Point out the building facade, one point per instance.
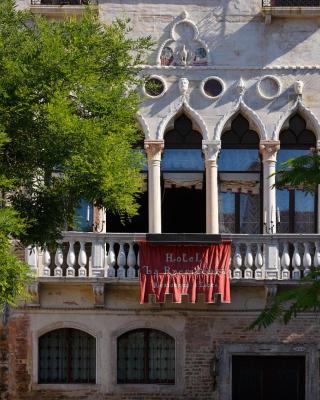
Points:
(232, 90)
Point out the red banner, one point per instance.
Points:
(184, 270)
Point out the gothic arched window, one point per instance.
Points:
(146, 356)
(182, 168)
(239, 179)
(67, 356)
(297, 209)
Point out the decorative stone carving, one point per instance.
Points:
(98, 293)
(183, 48)
(211, 149)
(33, 291)
(241, 87)
(298, 88)
(183, 86)
(154, 149)
(269, 150)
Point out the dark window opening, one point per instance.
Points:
(146, 356)
(268, 377)
(67, 356)
(240, 177)
(298, 209)
(183, 182)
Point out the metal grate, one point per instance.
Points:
(146, 356)
(67, 356)
(291, 3)
(64, 2)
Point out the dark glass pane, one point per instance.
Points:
(161, 358)
(183, 136)
(297, 135)
(249, 213)
(304, 217)
(239, 160)
(227, 212)
(240, 135)
(67, 356)
(83, 217)
(182, 160)
(283, 206)
(131, 351)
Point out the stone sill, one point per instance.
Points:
(65, 386)
(289, 12)
(59, 12)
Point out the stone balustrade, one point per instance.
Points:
(116, 255)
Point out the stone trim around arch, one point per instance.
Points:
(146, 323)
(183, 106)
(62, 325)
(248, 112)
(143, 125)
(306, 113)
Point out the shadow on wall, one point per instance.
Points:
(234, 31)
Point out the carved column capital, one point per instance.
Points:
(153, 149)
(211, 149)
(269, 150)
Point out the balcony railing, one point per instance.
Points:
(254, 257)
(63, 2)
(291, 3)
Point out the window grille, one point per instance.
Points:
(146, 356)
(67, 356)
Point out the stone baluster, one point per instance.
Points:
(121, 261)
(111, 261)
(153, 149)
(258, 261)
(248, 262)
(31, 257)
(98, 258)
(307, 259)
(316, 258)
(71, 260)
(82, 260)
(285, 262)
(237, 263)
(131, 261)
(46, 260)
(58, 261)
(296, 262)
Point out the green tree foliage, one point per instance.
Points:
(68, 102)
(303, 172)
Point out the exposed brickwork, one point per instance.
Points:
(203, 336)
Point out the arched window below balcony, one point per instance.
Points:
(67, 356)
(146, 356)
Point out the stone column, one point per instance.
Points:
(154, 148)
(211, 150)
(269, 149)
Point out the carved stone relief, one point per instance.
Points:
(184, 48)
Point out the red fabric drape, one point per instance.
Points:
(184, 269)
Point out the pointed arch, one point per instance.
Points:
(183, 106)
(305, 112)
(252, 116)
